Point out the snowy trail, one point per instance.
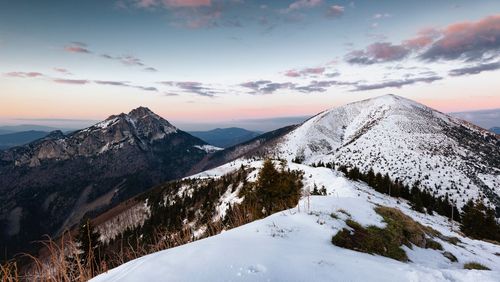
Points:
(296, 246)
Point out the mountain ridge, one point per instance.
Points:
(48, 185)
(405, 139)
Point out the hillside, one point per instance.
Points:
(225, 137)
(295, 245)
(405, 139)
(49, 185)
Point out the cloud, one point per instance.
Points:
(305, 72)
(470, 41)
(423, 39)
(378, 16)
(128, 60)
(145, 88)
(71, 81)
(193, 87)
(63, 71)
(334, 11)
(202, 19)
(77, 47)
(172, 3)
(125, 84)
(150, 69)
(302, 4)
(321, 86)
(170, 94)
(395, 83)
(475, 69)
(266, 86)
(193, 14)
(114, 83)
(379, 52)
(21, 74)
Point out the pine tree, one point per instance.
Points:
(88, 238)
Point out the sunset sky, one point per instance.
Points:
(216, 61)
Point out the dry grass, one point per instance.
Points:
(400, 230)
(475, 265)
(63, 261)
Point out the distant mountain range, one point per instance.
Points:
(20, 138)
(225, 137)
(11, 136)
(30, 127)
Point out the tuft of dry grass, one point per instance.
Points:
(475, 265)
(400, 230)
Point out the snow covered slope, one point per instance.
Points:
(405, 139)
(295, 245)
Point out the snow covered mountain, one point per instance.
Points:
(407, 140)
(50, 184)
(296, 244)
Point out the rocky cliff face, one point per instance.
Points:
(52, 183)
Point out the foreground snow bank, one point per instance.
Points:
(296, 246)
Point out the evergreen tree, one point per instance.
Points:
(88, 239)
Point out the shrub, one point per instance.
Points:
(400, 230)
(475, 265)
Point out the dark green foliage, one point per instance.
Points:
(89, 245)
(318, 192)
(275, 189)
(191, 200)
(478, 221)
(400, 230)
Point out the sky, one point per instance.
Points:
(224, 61)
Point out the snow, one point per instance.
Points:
(208, 148)
(295, 245)
(130, 218)
(394, 135)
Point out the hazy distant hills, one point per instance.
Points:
(226, 137)
(16, 135)
(20, 138)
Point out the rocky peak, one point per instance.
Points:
(141, 112)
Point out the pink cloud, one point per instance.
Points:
(173, 3)
(77, 48)
(305, 72)
(378, 52)
(467, 40)
(292, 73)
(423, 38)
(186, 3)
(24, 74)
